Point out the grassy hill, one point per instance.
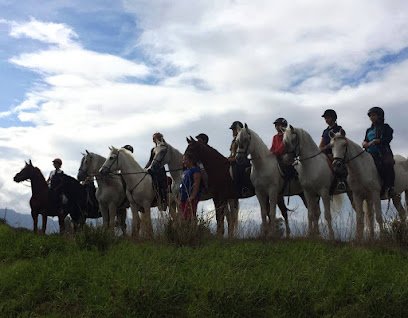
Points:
(96, 275)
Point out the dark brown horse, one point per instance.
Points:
(43, 201)
(220, 183)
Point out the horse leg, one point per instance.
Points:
(35, 222)
(61, 222)
(105, 214)
(233, 211)
(121, 219)
(358, 207)
(220, 215)
(44, 223)
(273, 199)
(327, 214)
(284, 211)
(378, 211)
(263, 203)
(135, 221)
(147, 221)
(396, 199)
(311, 207)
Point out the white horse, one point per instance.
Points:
(364, 181)
(265, 177)
(164, 154)
(111, 191)
(315, 176)
(139, 188)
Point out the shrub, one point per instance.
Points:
(98, 238)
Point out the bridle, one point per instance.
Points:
(245, 152)
(296, 151)
(343, 159)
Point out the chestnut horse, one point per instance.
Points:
(43, 200)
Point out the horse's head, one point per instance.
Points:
(83, 170)
(112, 162)
(160, 155)
(339, 146)
(291, 140)
(194, 147)
(243, 139)
(26, 173)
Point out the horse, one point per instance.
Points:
(315, 176)
(139, 187)
(164, 154)
(364, 181)
(111, 191)
(43, 201)
(266, 178)
(81, 202)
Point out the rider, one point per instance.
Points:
(57, 163)
(203, 138)
(58, 199)
(330, 116)
(377, 143)
(278, 148)
(238, 168)
(159, 175)
(190, 188)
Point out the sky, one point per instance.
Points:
(79, 75)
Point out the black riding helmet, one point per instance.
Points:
(281, 121)
(330, 113)
(376, 110)
(203, 137)
(236, 124)
(129, 147)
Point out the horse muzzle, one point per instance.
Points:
(81, 175)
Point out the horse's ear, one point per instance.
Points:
(192, 139)
(30, 163)
(246, 126)
(87, 152)
(26, 163)
(110, 148)
(188, 140)
(332, 134)
(342, 132)
(291, 128)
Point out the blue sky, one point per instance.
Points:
(86, 75)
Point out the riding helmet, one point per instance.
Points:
(236, 124)
(203, 137)
(330, 113)
(128, 147)
(376, 110)
(281, 121)
(58, 161)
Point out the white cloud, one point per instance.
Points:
(211, 63)
(52, 33)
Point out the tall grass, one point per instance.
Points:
(86, 276)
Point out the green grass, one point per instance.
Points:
(52, 276)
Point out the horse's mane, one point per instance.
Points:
(214, 153)
(305, 136)
(260, 141)
(38, 173)
(129, 155)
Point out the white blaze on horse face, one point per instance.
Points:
(338, 146)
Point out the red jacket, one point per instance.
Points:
(278, 148)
